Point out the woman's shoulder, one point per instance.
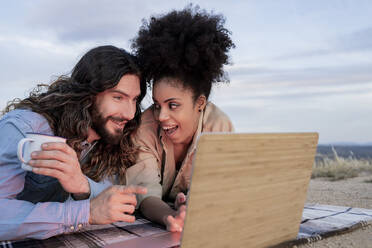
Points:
(148, 120)
(215, 120)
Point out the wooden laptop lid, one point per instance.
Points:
(248, 190)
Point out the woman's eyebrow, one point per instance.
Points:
(167, 100)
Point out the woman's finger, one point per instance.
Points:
(180, 200)
(172, 224)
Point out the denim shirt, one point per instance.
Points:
(31, 205)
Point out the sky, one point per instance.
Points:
(298, 66)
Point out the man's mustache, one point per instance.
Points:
(118, 119)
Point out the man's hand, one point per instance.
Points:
(60, 161)
(116, 203)
(175, 223)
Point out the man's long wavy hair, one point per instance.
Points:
(67, 104)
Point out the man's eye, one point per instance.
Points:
(118, 97)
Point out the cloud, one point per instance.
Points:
(234, 95)
(87, 20)
(254, 77)
(321, 115)
(352, 42)
(298, 66)
(244, 70)
(360, 40)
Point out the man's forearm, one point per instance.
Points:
(21, 219)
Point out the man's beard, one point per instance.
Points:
(98, 125)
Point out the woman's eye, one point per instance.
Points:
(173, 105)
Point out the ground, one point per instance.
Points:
(354, 192)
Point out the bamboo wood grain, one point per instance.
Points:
(248, 190)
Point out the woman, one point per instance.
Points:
(182, 54)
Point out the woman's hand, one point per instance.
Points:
(180, 200)
(60, 161)
(175, 223)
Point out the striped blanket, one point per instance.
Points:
(318, 222)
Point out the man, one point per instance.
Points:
(96, 109)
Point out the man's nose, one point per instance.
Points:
(129, 111)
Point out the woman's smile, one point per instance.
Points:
(170, 130)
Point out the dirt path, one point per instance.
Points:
(351, 192)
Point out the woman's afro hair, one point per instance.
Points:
(190, 45)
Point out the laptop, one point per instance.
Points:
(247, 190)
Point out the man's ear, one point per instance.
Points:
(201, 102)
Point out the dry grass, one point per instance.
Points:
(340, 168)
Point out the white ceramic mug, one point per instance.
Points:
(32, 142)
